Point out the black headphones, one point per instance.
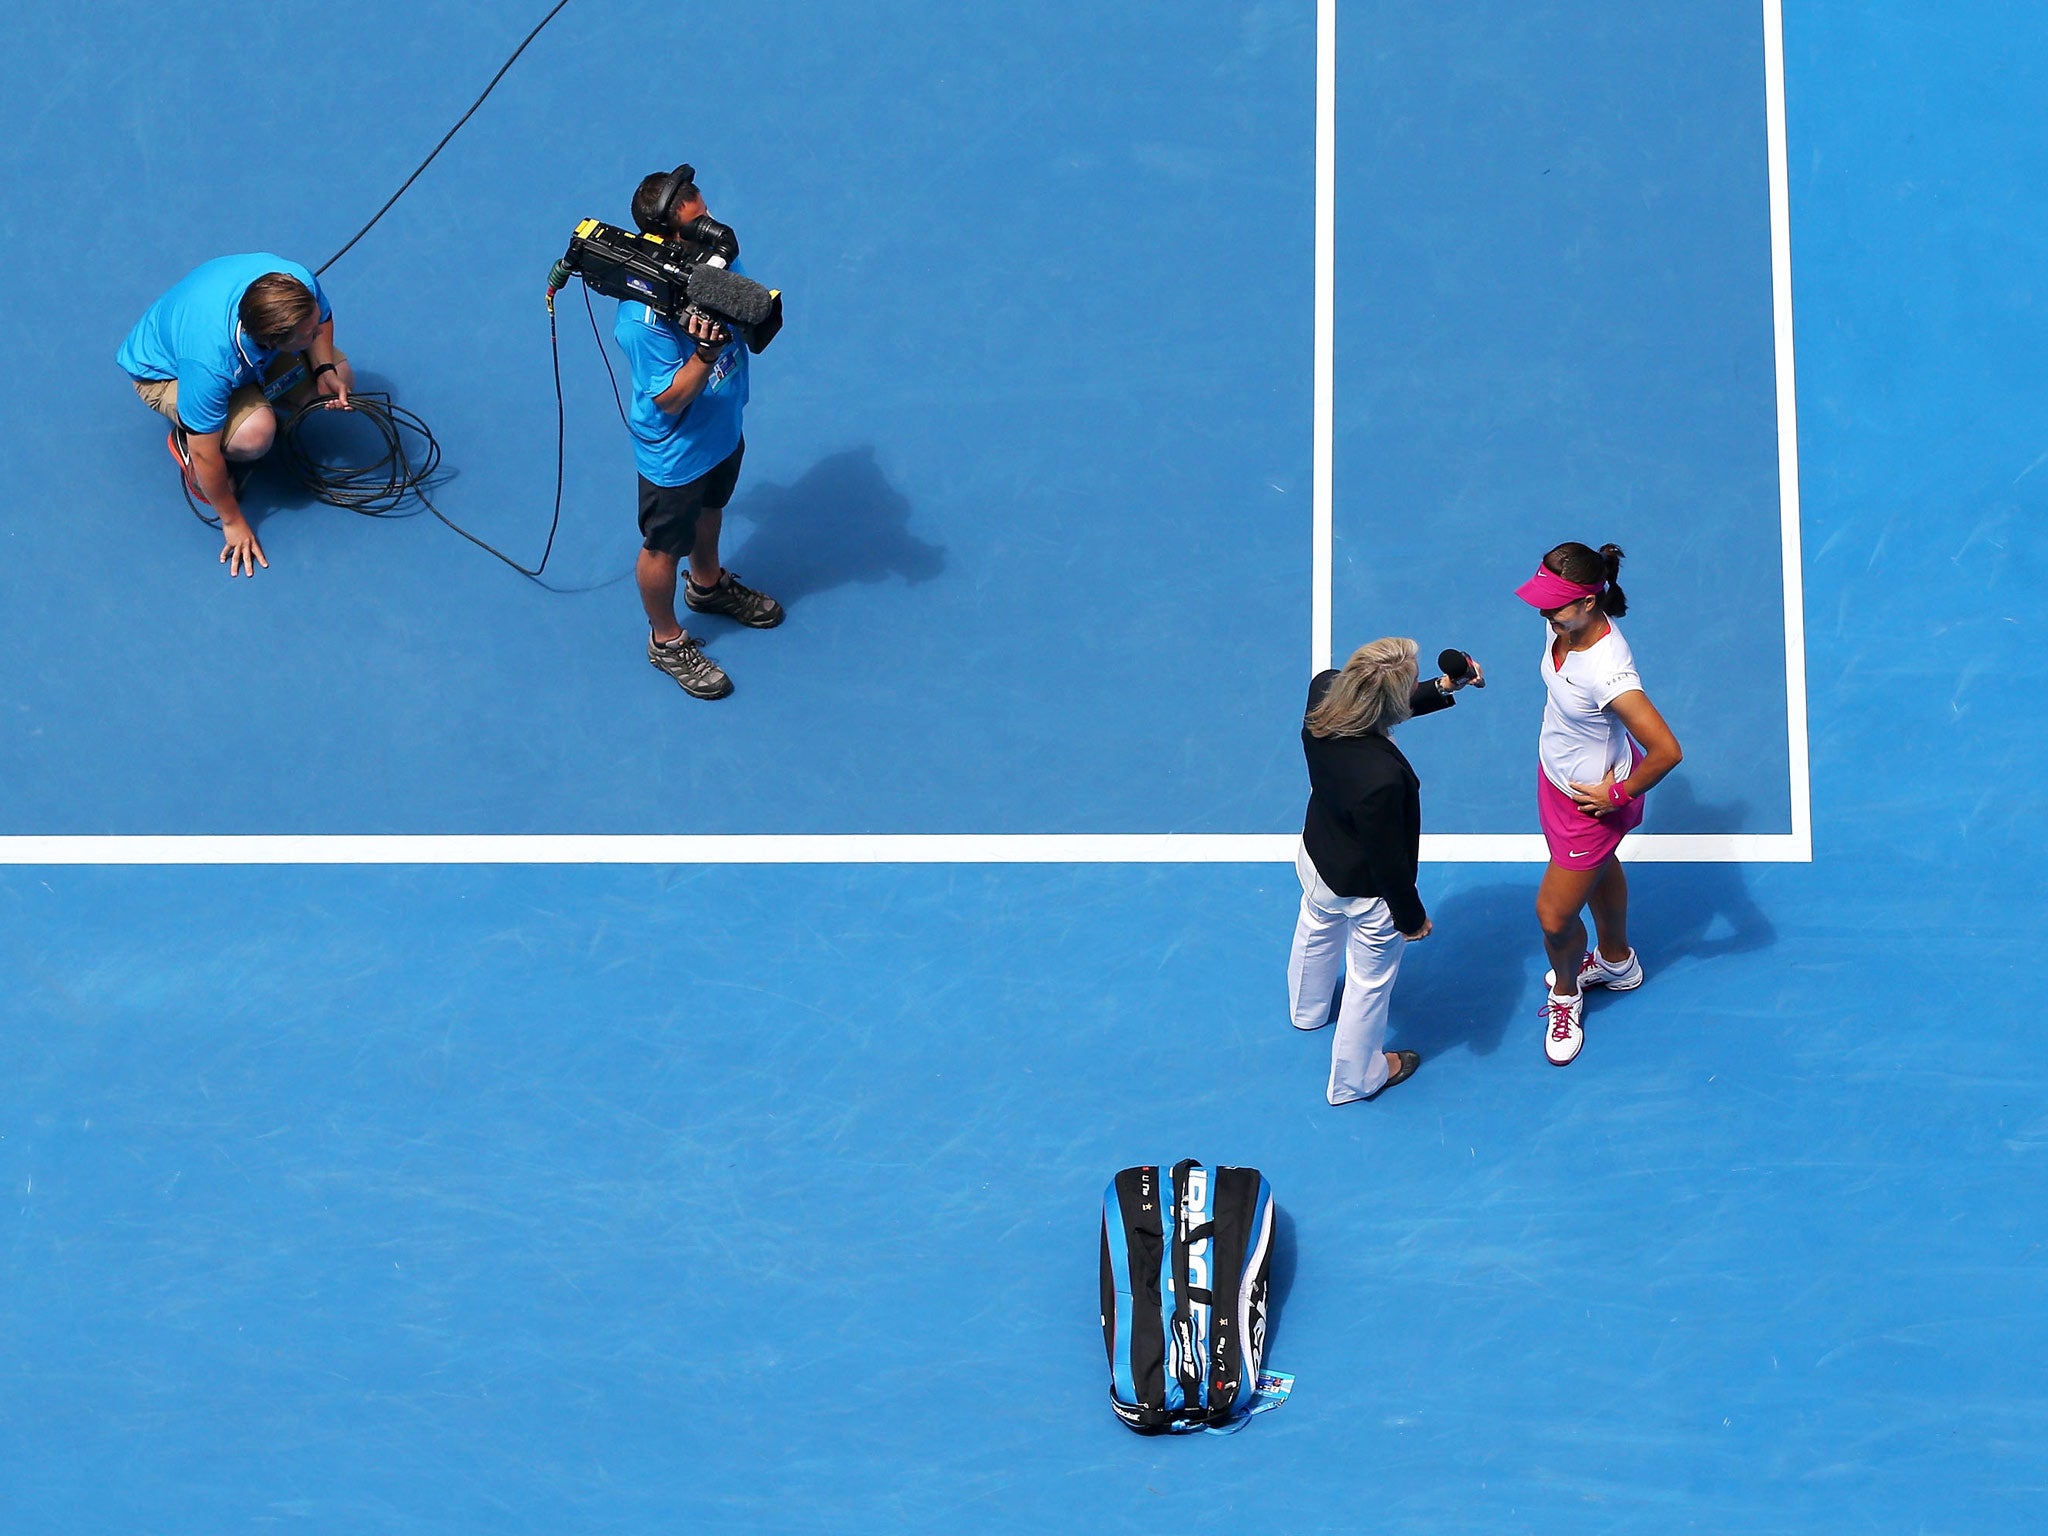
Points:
(679, 178)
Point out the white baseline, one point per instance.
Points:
(820, 848)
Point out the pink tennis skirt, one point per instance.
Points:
(1579, 841)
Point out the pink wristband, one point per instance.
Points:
(1616, 795)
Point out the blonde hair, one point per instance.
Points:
(1370, 694)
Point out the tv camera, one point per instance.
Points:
(676, 278)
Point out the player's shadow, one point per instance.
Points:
(1692, 911)
(1465, 983)
(842, 522)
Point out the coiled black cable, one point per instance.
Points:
(375, 486)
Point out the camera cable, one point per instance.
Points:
(421, 167)
(376, 484)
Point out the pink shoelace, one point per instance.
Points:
(1560, 1019)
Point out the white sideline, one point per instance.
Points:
(1321, 470)
(1128, 848)
(1800, 840)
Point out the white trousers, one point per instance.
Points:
(1352, 936)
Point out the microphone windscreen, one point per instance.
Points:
(1453, 663)
(730, 295)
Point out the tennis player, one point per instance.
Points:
(1603, 747)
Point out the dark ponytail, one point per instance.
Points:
(1612, 602)
(1590, 567)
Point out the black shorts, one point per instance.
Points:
(668, 513)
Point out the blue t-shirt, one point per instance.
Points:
(194, 334)
(674, 450)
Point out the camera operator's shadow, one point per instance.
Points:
(268, 487)
(841, 522)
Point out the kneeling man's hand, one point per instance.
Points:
(335, 387)
(240, 552)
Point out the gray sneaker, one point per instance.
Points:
(685, 661)
(756, 610)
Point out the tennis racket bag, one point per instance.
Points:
(1185, 1254)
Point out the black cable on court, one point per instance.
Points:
(415, 176)
(379, 484)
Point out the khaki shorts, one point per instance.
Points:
(161, 395)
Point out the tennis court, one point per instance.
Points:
(454, 1082)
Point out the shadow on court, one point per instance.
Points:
(341, 439)
(842, 522)
(1463, 984)
(1466, 983)
(1694, 911)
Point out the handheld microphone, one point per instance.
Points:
(1456, 664)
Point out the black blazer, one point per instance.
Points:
(1364, 823)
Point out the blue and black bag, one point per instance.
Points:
(1185, 1255)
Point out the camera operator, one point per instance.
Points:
(233, 335)
(689, 392)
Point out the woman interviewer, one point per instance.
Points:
(1359, 906)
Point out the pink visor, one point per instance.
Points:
(1547, 590)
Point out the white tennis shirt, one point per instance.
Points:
(1581, 738)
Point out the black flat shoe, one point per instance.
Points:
(1409, 1062)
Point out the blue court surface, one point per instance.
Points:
(760, 1197)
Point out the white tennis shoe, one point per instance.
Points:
(1562, 1033)
(1594, 971)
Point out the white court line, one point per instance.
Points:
(1120, 848)
(1801, 838)
(1321, 470)
(798, 848)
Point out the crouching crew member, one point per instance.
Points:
(213, 353)
(689, 392)
(1360, 845)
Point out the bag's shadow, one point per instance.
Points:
(842, 522)
(1466, 983)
